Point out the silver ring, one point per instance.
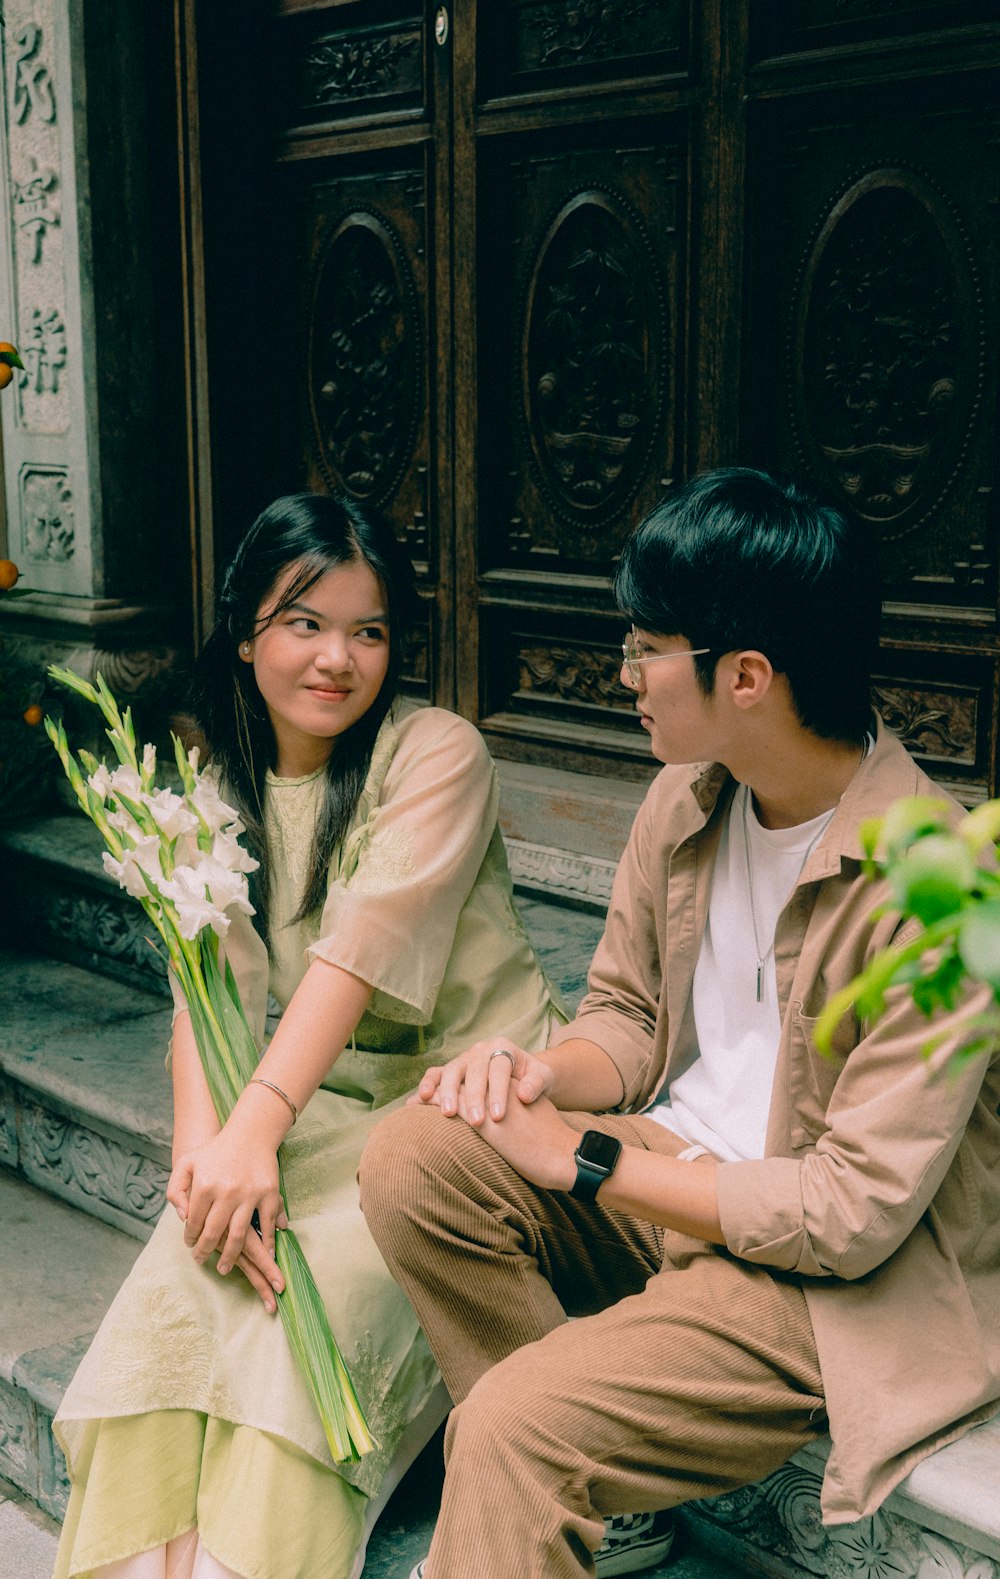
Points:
(501, 1052)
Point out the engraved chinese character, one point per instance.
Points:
(43, 350)
(32, 82)
(34, 211)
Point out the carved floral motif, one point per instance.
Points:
(583, 30)
(364, 359)
(88, 1164)
(884, 358)
(100, 927)
(573, 674)
(17, 1446)
(47, 516)
(592, 356)
(940, 724)
(8, 1130)
(352, 67)
(781, 1517)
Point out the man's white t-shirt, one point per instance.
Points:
(722, 1099)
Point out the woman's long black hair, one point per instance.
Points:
(316, 532)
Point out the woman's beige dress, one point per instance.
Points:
(188, 1410)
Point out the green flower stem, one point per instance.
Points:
(228, 1055)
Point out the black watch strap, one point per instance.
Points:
(590, 1173)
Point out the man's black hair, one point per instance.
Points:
(739, 559)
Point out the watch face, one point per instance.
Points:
(602, 1150)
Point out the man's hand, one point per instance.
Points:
(537, 1142)
(216, 1189)
(481, 1079)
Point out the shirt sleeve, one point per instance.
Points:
(895, 1121)
(619, 1012)
(405, 873)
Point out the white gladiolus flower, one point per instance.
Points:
(228, 851)
(195, 909)
(210, 805)
(192, 758)
(128, 872)
(148, 760)
(124, 781)
(227, 888)
(170, 812)
(100, 782)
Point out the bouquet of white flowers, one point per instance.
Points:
(180, 856)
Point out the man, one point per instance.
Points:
(760, 1244)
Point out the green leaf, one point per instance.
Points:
(979, 943)
(12, 359)
(933, 877)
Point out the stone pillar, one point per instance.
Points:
(93, 482)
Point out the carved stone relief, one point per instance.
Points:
(781, 1516)
(538, 866)
(33, 93)
(92, 926)
(48, 523)
(365, 357)
(86, 1164)
(8, 1129)
(33, 154)
(592, 358)
(34, 209)
(17, 1437)
(886, 349)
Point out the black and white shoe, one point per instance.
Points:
(632, 1542)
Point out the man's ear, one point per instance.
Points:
(750, 677)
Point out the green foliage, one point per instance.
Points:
(944, 876)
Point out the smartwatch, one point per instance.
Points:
(596, 1158)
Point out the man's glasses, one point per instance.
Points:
(632, 651)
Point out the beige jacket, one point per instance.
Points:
(880, 1187)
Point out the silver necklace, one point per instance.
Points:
(762, 959)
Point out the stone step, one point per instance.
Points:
(61, 1271)
(84, 1095)
(61, 902)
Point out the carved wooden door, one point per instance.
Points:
(529, 263)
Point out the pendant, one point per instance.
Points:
(760, 978)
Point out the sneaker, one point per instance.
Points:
(632, 1542)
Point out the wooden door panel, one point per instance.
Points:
(813, 25)
(874, 326)
(877, 277)
(341, 62)
(364, 351)
(529, 46)
(943, 706)
(582, 276)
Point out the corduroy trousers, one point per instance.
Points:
(687, 1373)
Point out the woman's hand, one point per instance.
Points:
(481, 1077)
(216, 1188)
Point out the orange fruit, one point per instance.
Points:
(5, 345)
(9, 574)
(6, 374)
(33, 715)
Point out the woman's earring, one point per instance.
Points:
(246, 648)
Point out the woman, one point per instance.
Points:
(386, 931)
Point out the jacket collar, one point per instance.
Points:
(887, 773)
